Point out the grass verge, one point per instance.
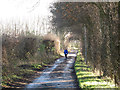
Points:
(24, 74)
(87, 79)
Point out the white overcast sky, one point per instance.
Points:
(22, 9)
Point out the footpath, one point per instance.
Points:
(60, 75)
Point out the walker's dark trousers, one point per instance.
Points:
(65, 55)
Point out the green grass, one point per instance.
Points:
(23, 72)
(87, 79)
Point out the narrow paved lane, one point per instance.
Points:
(59, 75)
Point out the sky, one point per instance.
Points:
(22, 12)
(23, 9)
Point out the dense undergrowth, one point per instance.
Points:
(23, 56)
(87, 79)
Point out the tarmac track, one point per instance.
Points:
(59, 75)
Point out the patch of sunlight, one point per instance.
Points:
(87, 79)
(77, 73)
(76, 64)
(83, 72)
(112, 85)
(78, 68)
(79, 53)
(82, 58)
(98, 84)
(15, 76)
(95, 83)
(72, 55)
(21, 83)
(62, 54)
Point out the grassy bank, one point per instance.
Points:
(88, 79)
(23, 57)
(24, 74)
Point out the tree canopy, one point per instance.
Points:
(101, 20)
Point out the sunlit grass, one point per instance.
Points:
(62, 54)
(87, 79)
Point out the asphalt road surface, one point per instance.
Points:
(59, 75)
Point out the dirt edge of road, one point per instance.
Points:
(27, 78)
(21, 83)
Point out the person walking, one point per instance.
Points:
(66, 52)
